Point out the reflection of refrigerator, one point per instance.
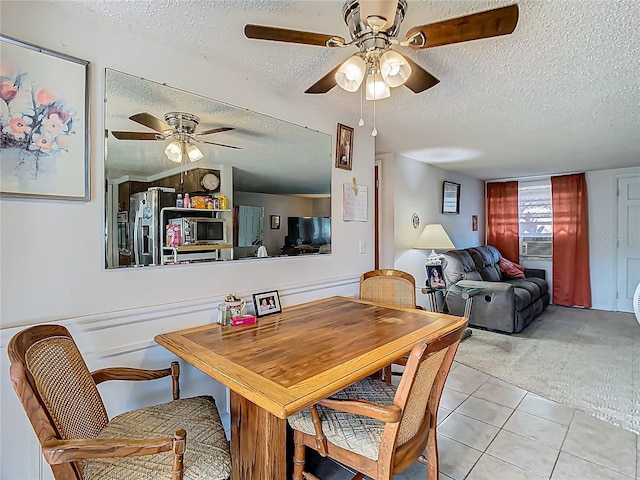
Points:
(144, 218)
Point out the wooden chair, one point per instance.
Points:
(378, 429)
(389, 287)
(61, 399)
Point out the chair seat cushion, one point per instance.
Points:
(347, 430)
(206, 457)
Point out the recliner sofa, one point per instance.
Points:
(506, 304)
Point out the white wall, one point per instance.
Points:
(409, 187)
(52, 252)
(603, 231)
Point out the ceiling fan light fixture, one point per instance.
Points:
(173, 151)
(381, 13)
(377, 89)
(394, 68)
(194, 153)
(351, 73)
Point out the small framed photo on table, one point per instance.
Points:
(266, 303)
(435, 277)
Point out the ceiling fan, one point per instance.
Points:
(374, 26)
(180, 127)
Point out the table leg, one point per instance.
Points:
(258, 442)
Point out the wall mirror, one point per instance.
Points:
(166, 149)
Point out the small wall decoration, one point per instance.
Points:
(44, 134)
(275, 222)
(266, 303)
(344, 147)
(474, 223)
(415, 220)
(450, 197)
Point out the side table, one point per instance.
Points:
(467, 293)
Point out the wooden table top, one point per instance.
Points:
(288, 361)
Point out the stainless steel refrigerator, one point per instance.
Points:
(144, 220)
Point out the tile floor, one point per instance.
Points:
(491, 430)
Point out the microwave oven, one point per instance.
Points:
(201, 230)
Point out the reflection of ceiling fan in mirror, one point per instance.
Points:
(180, 128)
(374, 26)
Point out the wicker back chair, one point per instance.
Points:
(61, 399)
(389, 287)
(378, 429)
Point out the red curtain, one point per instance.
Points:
(571, 281)
(502, 218)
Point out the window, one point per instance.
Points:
(534, 208)
(535, 220)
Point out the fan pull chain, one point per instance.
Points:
(362, 89)
(374, 132)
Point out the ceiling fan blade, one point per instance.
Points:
(261, 32)
(152, 122)
(326, 83)
(420, 79)
(491, 23)
(138, 135)
(213, 130)
(220, 144)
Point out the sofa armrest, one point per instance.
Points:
(487, 286)
(535, 272)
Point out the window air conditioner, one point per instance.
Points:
(536, 247)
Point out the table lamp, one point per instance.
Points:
(433, 238)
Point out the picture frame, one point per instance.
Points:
(435, 277)
(474, 223)
(266, 303)
(344, 147)
(275, 222)
(44, 123)
(450, 197)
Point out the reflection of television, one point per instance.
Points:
(308, 231)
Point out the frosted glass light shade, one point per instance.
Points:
(394, 68)
(376, 88)
(351, 73)
(194, 153)
(173, 151)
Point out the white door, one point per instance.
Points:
(628, 241)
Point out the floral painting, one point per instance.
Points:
(43, 123)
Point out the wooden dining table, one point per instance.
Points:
(288, 361)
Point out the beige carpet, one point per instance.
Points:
(585, 359)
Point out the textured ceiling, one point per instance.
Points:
(560, 94)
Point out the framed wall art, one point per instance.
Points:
(275, 222)
(344, 147)
(450, 197)
(44, 131)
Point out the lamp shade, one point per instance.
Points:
(394, 68)
(194, 153)
(351, 73)
(434, 237)
(174, 151)
(376, 88)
